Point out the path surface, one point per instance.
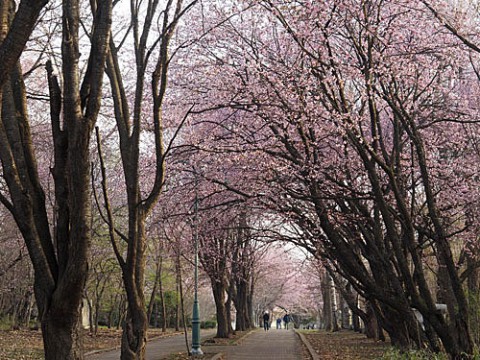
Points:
(156, 348)
(260, 344)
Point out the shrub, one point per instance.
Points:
(208, 324)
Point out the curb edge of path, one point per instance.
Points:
(217, 356)
(245, 336)
(309, 346)
(118, 347)
(220, 355)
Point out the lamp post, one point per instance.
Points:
(196, 348)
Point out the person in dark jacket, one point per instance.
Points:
(286, 320)
(279, 323)
(266, 321)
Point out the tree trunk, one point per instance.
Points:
(163, 305)
(473, 273)
(327, 304)
(250, 303)
(228, 307)
(62, 331)
(177, 307)
(19, 26)
(153, 295)
(91, 320)
(28, 314)
(60, 263)
(334, 304)
(330, 303)
(179, 302)
(346, 316)
(134, 337)
(371, 325)
(122, 312)
(241, 305)
(222, 321)
(356, 323)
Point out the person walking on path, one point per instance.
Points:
(266, 321)
(286, 320)
(279, 323)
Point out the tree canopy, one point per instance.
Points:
(347, 129)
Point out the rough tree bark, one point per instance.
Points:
(59, 260)
(129, 128)
(219, 291)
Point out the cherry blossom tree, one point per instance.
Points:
(17, 26)
(59, 253)
(363, 130)
(146, 46)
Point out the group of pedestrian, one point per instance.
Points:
(266, 321)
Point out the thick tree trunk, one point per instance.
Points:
(241, 305)
(457, 340)
(61, 272)
(330, 298)
(327, 304)
(372, 330)
(20, 26)
(134, 337)
(130, 127)
(222, 319)
(350, 304)
(62, 334)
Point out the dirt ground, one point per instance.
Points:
(345, 345)
(27, 344)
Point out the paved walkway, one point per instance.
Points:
(157, 348)
(260, 344)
